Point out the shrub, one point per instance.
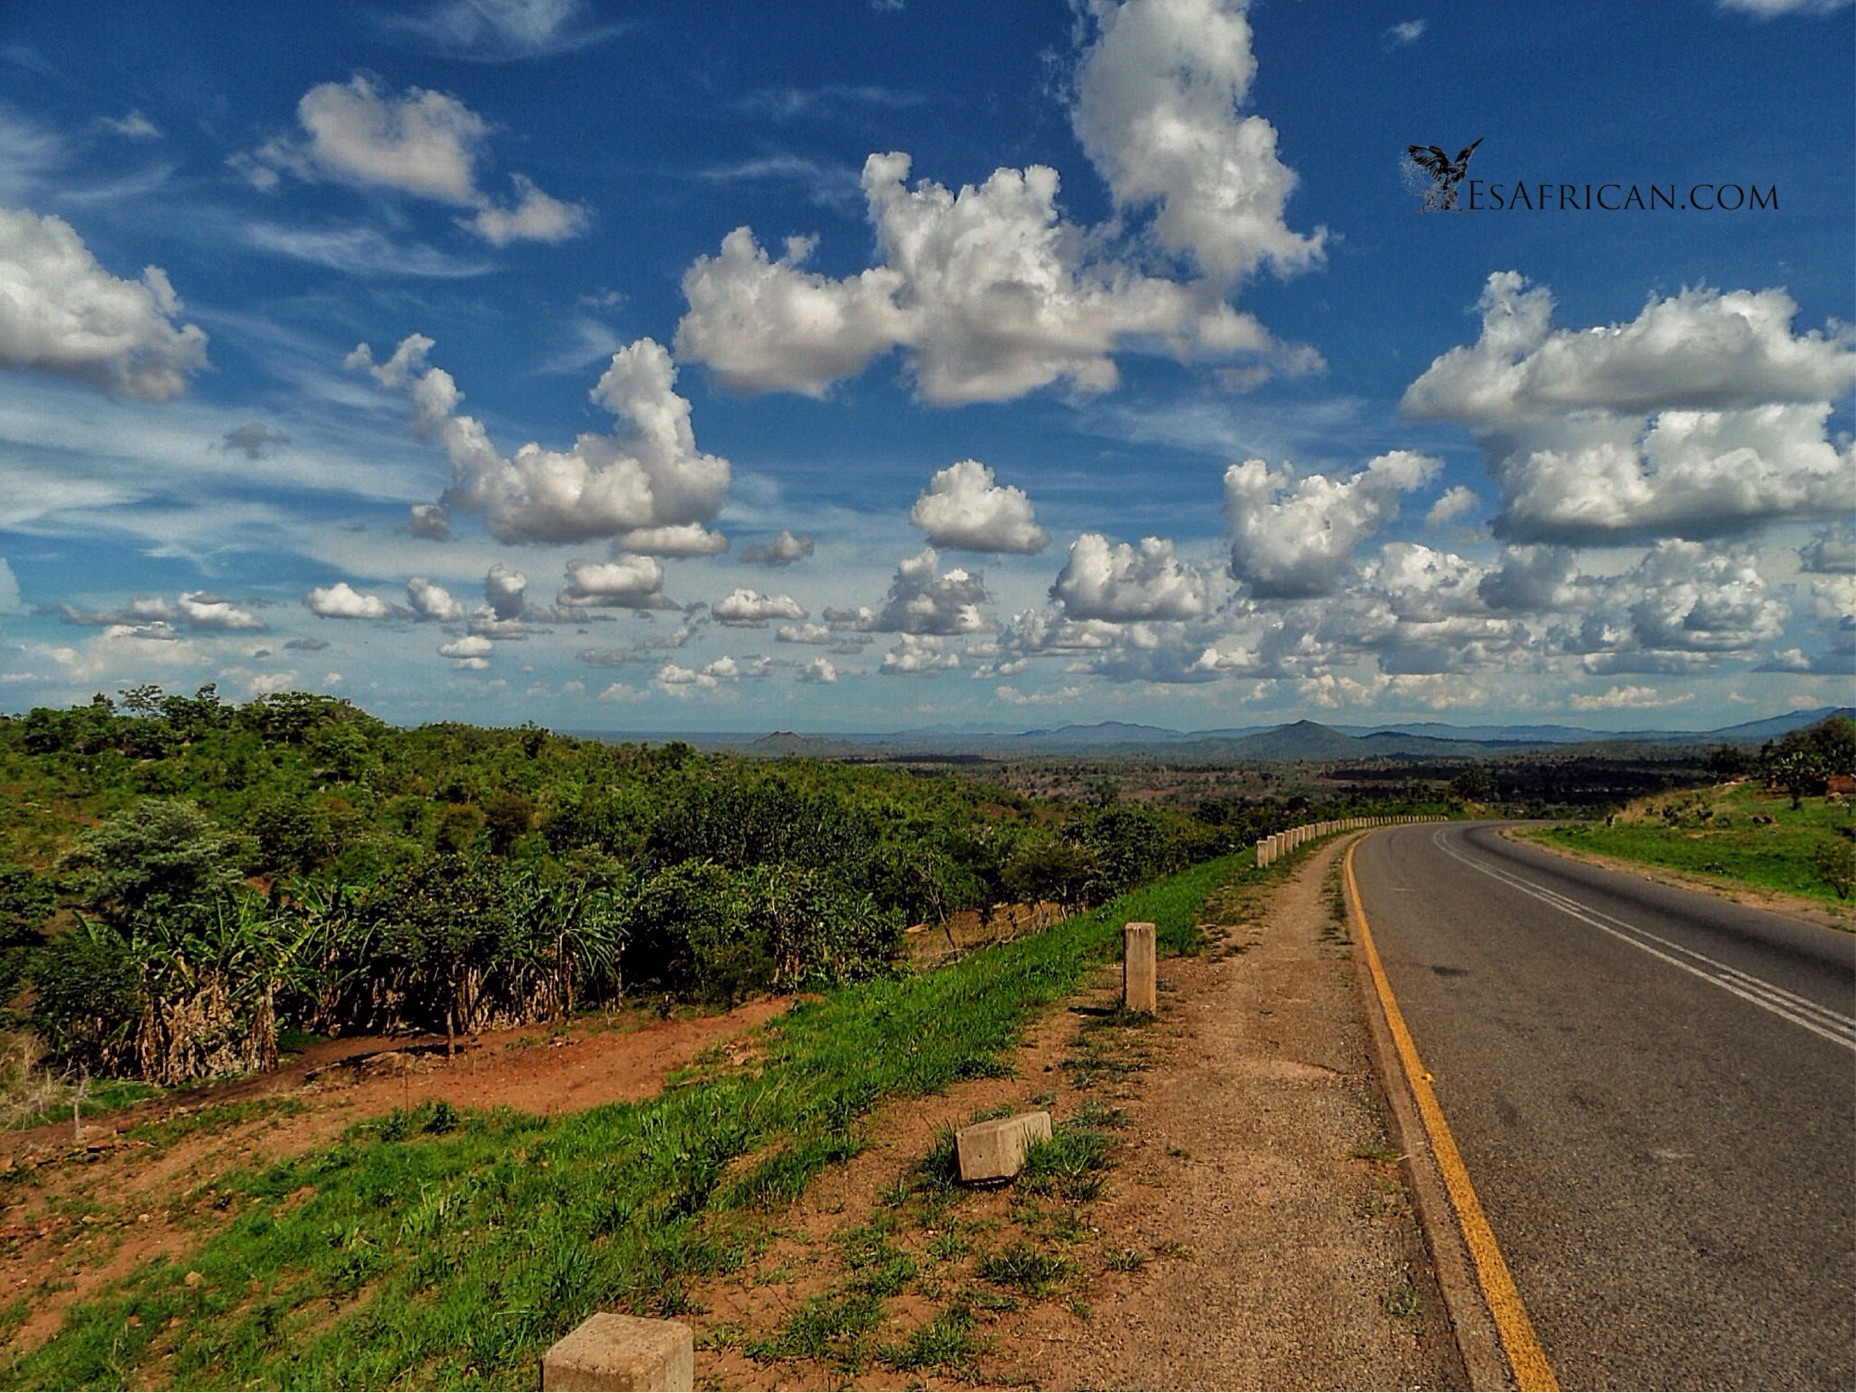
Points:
(1835, 861)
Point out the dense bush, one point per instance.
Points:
(294, 861)
(701, 929)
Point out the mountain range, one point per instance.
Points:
(1297, 740)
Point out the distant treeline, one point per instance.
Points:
(181, 878)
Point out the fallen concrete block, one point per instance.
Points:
(621, 1352)
(996, 1150)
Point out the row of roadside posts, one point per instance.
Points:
(1271, 848)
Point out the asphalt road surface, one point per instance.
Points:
(1655, 1094)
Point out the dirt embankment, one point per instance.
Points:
(74, 1216)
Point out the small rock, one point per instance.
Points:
(193, 1279)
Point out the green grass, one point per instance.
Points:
(1025, 1269)
(450, 1251)
(947, 1342)
(1712, 833)
(1069, 1166)
(832, 1329)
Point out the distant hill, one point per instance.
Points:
(1297, 740)
(1775, 726)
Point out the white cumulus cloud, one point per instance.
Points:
(1294, 538)
(471, 647)
(988, 289)
(627, 582)
(431, 601)
(1626, 698)
(918, 656)
(203, 610)
(648, 478)
(683, 539)
(819, 672)
(62, 313)
(965, 507)
(1452, 504)
(1705, 415)
(1159, 100)
(422, 143)
(751, 609)
(922, 601)
(505, 591)
(781, 550)
(1119, 582)
(342, 601)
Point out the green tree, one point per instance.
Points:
(690, 935)
(507, 817)
(441, 917)
(1835, 861)
(1053, 871)
(26, 902)
(163, 868)
(291, 833)
(1802, 761)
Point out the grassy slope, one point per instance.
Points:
(436, 1250)
(1711, 833)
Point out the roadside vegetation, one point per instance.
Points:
(1783, 820)
(184, 882)
(448, 1247)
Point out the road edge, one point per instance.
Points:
(1472, 1324)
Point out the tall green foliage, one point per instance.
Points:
(302, 861)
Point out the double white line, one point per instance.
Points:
(1833, 1025)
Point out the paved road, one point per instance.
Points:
(1655, 1094)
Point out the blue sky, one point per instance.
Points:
(863, 366)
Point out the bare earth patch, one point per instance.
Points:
(74, 1217)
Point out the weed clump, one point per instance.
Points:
(1024, 1269)
(1068, 1166)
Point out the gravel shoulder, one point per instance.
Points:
(1261, 1146)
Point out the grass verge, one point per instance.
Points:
(1734, 834)
(449, 1250)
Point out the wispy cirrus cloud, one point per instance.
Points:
(361, 251)
(499, 31)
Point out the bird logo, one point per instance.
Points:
(1444, 173)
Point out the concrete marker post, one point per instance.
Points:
(1139, 991)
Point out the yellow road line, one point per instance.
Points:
(1525, 1356)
